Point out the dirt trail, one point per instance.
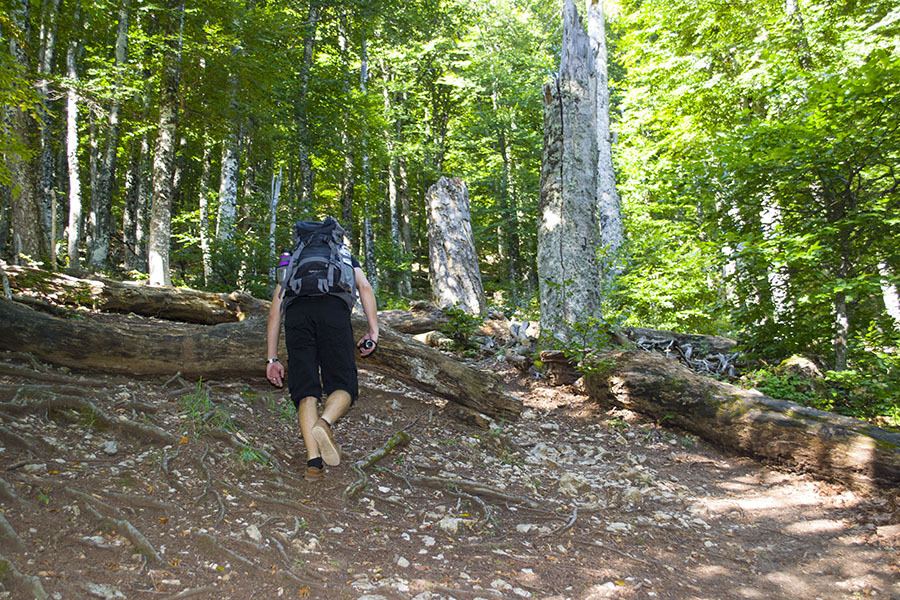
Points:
(111, 488)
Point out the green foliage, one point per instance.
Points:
(202, 414)
(283, 408)
(460, 328)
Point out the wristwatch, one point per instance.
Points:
(271, 360)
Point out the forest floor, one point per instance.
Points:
(145, 489)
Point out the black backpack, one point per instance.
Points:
(318, 264)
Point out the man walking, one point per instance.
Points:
(316, 290)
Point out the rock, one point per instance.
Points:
(253, 533)
(801, 367)
(571, 484)
(99, 590)
(402, 562)
(450, 524)
(110, 448)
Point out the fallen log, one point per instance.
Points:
(130, 345)
(101, 293)
(746, 421)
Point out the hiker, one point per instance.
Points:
(316, 290)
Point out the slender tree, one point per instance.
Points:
(164, 156)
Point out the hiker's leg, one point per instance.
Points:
(336, 405)
(307, 415)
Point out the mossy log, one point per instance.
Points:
(135, 346)
(746, 421)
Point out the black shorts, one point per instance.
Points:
(319, 339)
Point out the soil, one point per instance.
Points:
(118, 488)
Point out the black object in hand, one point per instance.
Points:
(366, 344)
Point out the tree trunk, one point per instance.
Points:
(368, 227)
(107, 171)
(828, 445)
(567, 233)
(609, 209)
(48, 170)
(205, 175)
(164, 158)
(74, 228)
(348, 182)
(889, 293)
(228, 186)
(132, 199)
(454, 271)
(130, 346)
(273, 222)
(405, 233)
(307, 175)
(26, 218)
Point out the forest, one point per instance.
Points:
(755, 148)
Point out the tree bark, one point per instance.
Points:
(825, 444)
(164, 158)
(609, 209)
(889, 293)
(307, 175)
(203, 202)
(107, 171)
(26, 218)
(228, 185)
(130, 346)
(74, 229)
(568, 231)
(454, 271)
(48, 170)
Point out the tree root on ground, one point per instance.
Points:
(50, 401)
(399, 439)
(9, 539)
(124, 528)
(11, 438)
(472, 487)
(211, 544)
(191, 593)
(12, 577)
(9, 494)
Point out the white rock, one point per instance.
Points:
(402, 563)
(110, 448)
(253, 533)
(35, 468)
(395, 405)
(428, 540)
(101, 590)
(499, 584)
(617, 527)
(524, 527)
(450, 524)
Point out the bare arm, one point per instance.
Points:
(275, 370)
(370, 307)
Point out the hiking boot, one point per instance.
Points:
(331, 452)
(314, 473)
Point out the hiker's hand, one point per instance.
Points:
(275, 373)
(367, 344)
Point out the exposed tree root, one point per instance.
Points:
(472, 487)
(12, 577)
(142, 501)
(130, 532)
(121, 424)
(399, 439)
(9, 494)
(11, 438)
(9, 539)
(208, 589)
(294, 506)
(211, 544)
